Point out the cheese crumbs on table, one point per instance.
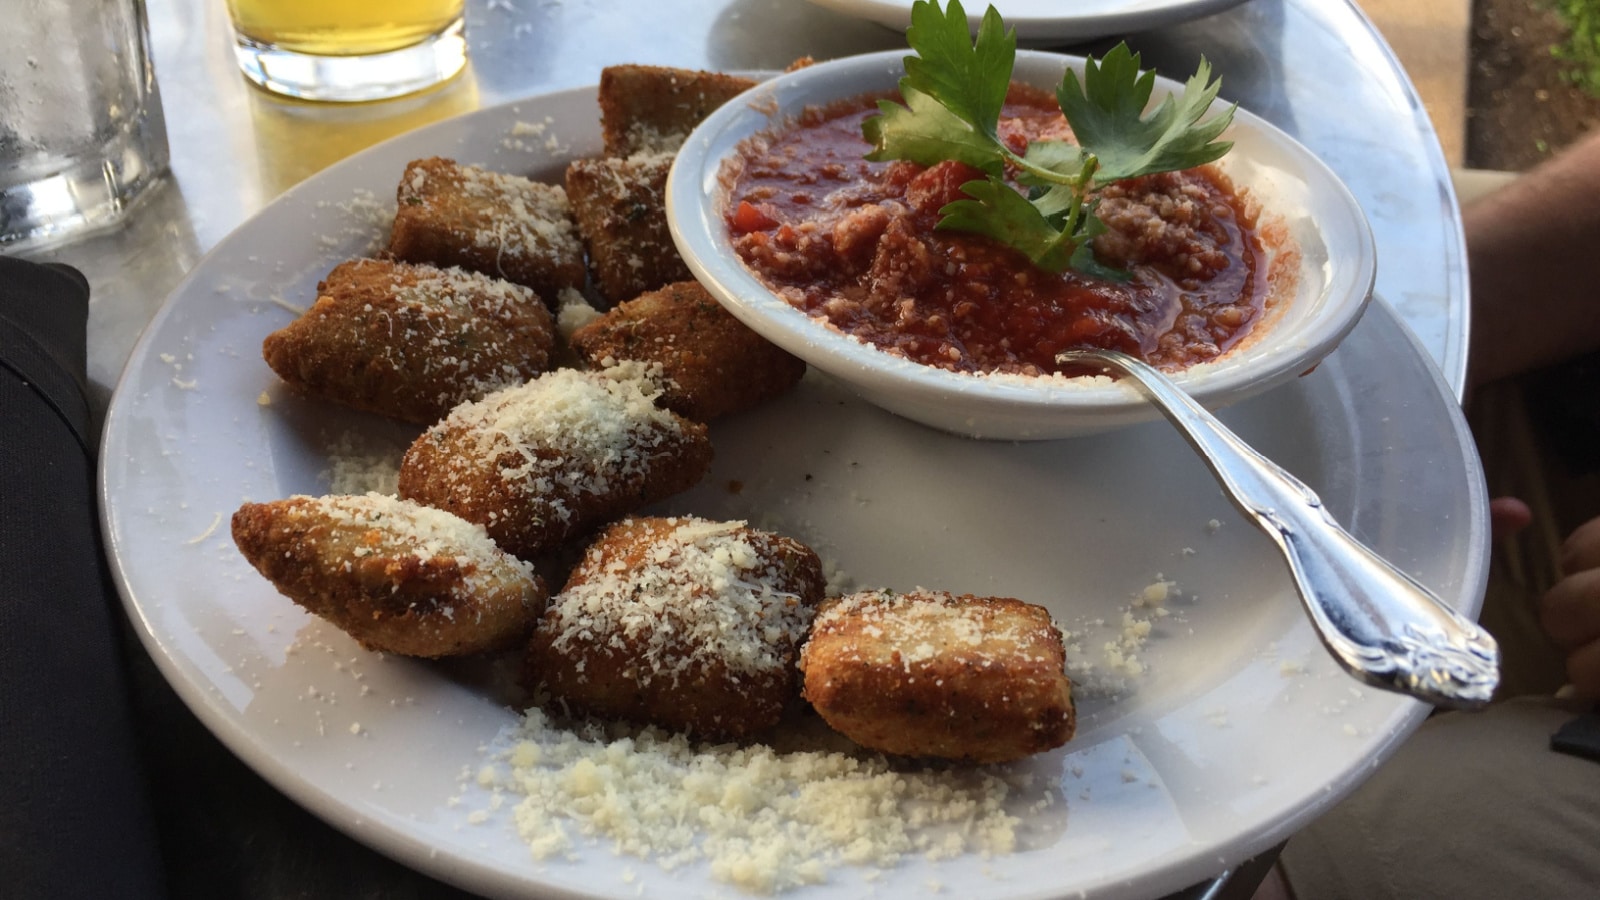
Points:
(934, 674)
(396, 576)
(501, 225)
(684, 623)
(712, 364)
(412, 341)
(549, 460)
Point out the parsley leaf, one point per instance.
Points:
(969, 78)
(1005, 215)
(1107, 116)
(927, 132)
(954, 89)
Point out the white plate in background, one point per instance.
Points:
(1240, 732)
(1038, 21)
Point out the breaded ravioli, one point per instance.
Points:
(394, 575)
(933, 674)
(685, 623)
(552, 459)
(412, 341)
(620, 208)
(712, 363)
(651, 109)
(502, 225)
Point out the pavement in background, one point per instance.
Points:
(1432, 40)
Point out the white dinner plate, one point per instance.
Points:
(1239, 730)
(1039, 21)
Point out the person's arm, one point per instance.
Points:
(1534, 252)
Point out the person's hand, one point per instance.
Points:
(1570, 611)
(1507, 516)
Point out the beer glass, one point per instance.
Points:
(348, 50)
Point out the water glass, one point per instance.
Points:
(81, 130)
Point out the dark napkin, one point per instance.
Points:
(109, 785)
(75, 820)
(1579, 737)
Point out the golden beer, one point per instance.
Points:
(348, 51)
(342, 27)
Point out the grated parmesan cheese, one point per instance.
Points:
(574, 313)
(765, 821)
(929, 624)
(702, 585)
(608, 418)
(530, 216)
(411, 529)
(355, 468)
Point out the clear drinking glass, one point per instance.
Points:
(348, 50)
(81, 130)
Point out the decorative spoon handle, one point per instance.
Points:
(1378, 622)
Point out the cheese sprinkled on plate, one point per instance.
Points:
(765, 821)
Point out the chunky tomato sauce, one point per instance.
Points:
(853, 242)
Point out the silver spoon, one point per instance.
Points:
(1378, 622)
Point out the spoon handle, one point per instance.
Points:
(1378, 622)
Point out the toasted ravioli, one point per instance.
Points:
(394, 575)
(712, 363)
(503, 225)
(933, 674)
(685, 623)
(411, 341)
(651, 109)
(552, 459)
(620, 208)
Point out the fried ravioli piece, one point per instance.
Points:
(501, 225)
(685, 623)
(712, 363)
(620, 208)
(932, 674)
(547, 461)
(651, 109)
(396, 576)
(412, 341)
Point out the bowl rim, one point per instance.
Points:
(695, 195)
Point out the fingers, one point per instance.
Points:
(1570, 611)
(1583, 669)
(1507, 516)
(1581, 550)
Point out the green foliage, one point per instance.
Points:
(1581, 50)
(954, 89)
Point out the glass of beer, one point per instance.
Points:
(348, 51)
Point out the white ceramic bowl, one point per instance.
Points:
(1337, 264)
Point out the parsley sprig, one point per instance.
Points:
(954, 89)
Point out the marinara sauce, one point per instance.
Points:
(854, 242)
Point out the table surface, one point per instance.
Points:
(1316, 69)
